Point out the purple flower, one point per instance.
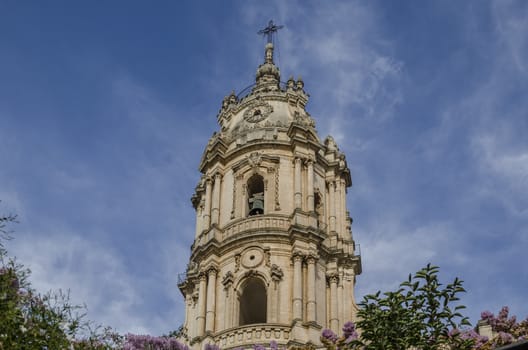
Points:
(505, 338)
(486, 315)
(329, 335)
(141, 342)
(258, 347)
(349, 332)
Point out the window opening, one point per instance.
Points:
(253, 303)
(255, 188)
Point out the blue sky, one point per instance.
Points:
(105, 108)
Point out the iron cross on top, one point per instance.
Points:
(269, 30)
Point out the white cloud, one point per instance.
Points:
(390, 251)
(93, 273)
(345, 60)
(511, 18)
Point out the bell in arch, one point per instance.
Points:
(256, 204)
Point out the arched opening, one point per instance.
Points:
(253, 302)
(255, 188)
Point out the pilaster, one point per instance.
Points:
(311, 303)
(297, 183)
(297, 286)
(211, 299)
(207, 209)
(333, 280)
(215, 212)
(200, 319)
(310, 184)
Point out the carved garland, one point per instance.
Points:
(277, 203)
(234, 197)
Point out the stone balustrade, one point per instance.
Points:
(253, 334)
(257, 222)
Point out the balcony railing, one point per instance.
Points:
(274, 222)
(253, 334)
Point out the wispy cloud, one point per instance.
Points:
(344, 58)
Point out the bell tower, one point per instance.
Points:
(273, 257)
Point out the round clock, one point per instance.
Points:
(257, 112)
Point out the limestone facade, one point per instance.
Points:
(273, 256)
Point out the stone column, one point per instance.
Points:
(215, 212)
(211, 300)
(228, 308)
(332, 217)
(298, 180)
(188, 305)
(207, 209)
(276, 276)
(340, 303)
(349, 297)
(200, 319)
(243, 204)
(310, 184)
(297, 287)
(334, 321)
(311, 305)
(338, 209)
(199, 220)
(343, 210)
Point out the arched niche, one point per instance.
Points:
(252, 302)
(255, 195)
(256, 173)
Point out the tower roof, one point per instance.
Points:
(268, 75)
(270, 107)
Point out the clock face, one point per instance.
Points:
(257, 112)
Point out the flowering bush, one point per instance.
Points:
(506, 329)
(148, 342)
(333, 342)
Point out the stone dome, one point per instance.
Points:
(267, 111)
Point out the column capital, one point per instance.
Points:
(309, 160)
(332, 278)
(297, 256)
(312, 258)
(211, 270)
(298, 159)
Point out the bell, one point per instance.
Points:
(256, 204)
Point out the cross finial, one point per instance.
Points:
(269, 30)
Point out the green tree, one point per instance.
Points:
(420, 314)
